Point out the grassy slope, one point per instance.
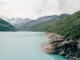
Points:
(5, 26)
(26, 26)
(68, 26)
(46, 25)
(43, 26)
(40, 25)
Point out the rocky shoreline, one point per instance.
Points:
(67, 47)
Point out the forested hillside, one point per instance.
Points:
(68, 26)
(5, 26)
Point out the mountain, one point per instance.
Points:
(33, 22)
(40, 24)
(14, 21)
(5, 26)
(68, 26)
(46, 18)
(64, 37)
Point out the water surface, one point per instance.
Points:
(24, 46)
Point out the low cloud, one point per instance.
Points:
(63, 6)
(36, 8)
(42, 6)
(2, 3)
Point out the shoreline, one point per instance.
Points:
(58, 45)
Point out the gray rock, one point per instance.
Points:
(67, 47)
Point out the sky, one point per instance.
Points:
(36, 8)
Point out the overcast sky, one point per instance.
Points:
(35, 8)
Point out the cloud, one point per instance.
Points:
(47, 7)
(69, 6)
(4, 11)
(36, 8)
(42, 7)
(2, 3)
(74, 5)
(63, 6)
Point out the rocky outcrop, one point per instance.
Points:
(68, 47)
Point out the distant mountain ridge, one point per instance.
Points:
(14, 21)
(40, 24)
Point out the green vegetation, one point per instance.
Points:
(5, 26)
(41, 24)
(37, 26)
(68, 26)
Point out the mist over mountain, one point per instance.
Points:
(37, 25)
(14, 21)
(34, 25)
(47, 18)
(18, 20)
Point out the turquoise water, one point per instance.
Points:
(24, 46)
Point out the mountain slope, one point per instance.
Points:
(41, 24)
(5, 26)
(68, 26)
(28, 25)
(44, 26)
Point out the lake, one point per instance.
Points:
(24, 46)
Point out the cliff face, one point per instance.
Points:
(68, 47)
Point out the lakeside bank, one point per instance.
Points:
(67, 47)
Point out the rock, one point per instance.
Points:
(57, 44)
(48, 48)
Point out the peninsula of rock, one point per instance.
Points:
(68, 47)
